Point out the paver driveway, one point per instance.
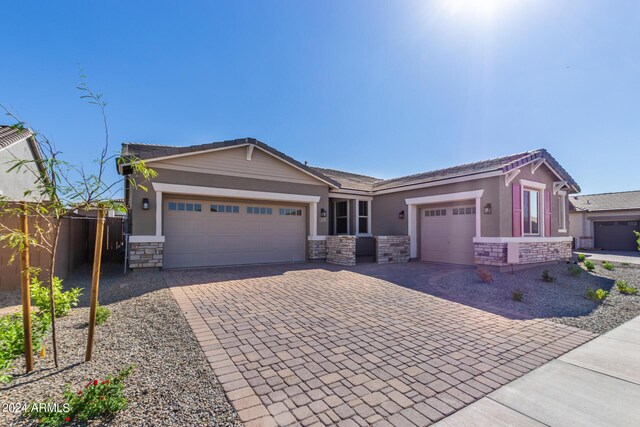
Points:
(316, 344)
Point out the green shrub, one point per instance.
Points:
(596, 296)
(517, 296)
(607, 265)
(64, 299)
(575, 271)
(625, 288)
(581, 257)
(590, 265)
(102, 314)
(98, 399)
(12, 339)
(626, 264)
(547, 277)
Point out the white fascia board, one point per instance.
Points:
(146, 239)
(336, 195)
(525, 239)
(316, 237)
(191, 153)
(443, 198)
(439, 182)
(194, 190)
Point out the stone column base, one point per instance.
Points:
(145, 254)
(316, 248)
(392, 249)
(495, 254)
(341, 250)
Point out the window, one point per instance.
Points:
(341, 210)
(363, 217)
(224, 208)
(255, 210)
(435, 212)
(530, 212)
(562, 213)
(290, 212)
(190, 207)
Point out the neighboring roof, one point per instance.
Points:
(146, 151)
(10, 135)
(352, 181)
(349, 181)
(606, 201)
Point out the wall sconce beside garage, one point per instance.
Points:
(487, 208)
(145, 204)
(401, 215)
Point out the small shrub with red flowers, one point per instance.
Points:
(98, 399)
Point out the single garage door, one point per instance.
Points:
(616, 235)
(213, 233)
(446, 234)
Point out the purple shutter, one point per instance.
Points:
(547, 213)
(516, 218)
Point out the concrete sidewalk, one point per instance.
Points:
(597, 384)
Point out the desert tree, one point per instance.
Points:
(62, 188)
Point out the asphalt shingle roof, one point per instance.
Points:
(606, 201)
(352, 181)
(10, 135)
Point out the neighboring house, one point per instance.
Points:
(243, 202)
(15, 145)
(606, 221)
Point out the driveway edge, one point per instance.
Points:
(244, 400)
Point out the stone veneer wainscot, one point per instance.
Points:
(495, 253)
(341, 250)
(392, 249)
(317, 248)
(145, 254)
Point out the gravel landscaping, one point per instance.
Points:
(172, 383)
(561, 301)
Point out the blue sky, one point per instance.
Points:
(385, 88)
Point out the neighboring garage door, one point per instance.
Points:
(213, 233)
(616, 235)
(446, 234)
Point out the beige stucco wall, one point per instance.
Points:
(144, 221)
(385, 207)
(543, 175)
(13, 184)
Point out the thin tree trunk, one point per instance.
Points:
(26, 296)
(95, 283)
(52, 303)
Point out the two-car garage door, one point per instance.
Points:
(210, 233)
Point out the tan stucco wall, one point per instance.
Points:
(13, 184)
(543, 175)
(144, 222)
(386, 207)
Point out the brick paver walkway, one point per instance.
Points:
(318, 345)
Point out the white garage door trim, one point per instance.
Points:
(195, 190)
(412, 217)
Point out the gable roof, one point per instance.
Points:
(352, 181)
(606, 201)
(10, 135)
(147, 152)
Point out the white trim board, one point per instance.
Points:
(194, 190)
(444, 181)
(521, 239)
(146, 239)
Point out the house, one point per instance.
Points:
(244, 202)
(16, 145)
(605, 221)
